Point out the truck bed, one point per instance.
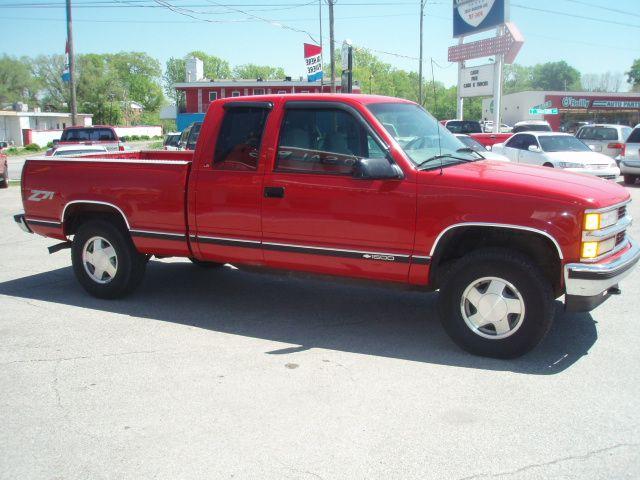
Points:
(147, 188)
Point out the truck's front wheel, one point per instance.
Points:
(105, 260)
(496, 303)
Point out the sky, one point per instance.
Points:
(594, 36)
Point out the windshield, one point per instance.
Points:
(562, 143)
(172, 140)
(420, 135)
(598, 133)
(88, 134)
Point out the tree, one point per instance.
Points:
(47, 69)
(633, 75)
(139, 74)
(99, 89)
(214, 67)
(602, 82)
(16, 82)
(555, 76)
(517, 78)
(264, 72)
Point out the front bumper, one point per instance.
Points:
(589, 284)
(608, 173)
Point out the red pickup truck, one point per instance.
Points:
(321, 184)
(94, 135)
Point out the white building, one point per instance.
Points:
(20, 128)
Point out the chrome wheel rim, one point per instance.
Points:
(492, 308)
(99, 260)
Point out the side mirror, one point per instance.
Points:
(534, 149)
(376, 169)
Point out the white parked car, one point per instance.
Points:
(557, 150)
(476, 146)
(630, 157)
(65, 151)
(604, 138)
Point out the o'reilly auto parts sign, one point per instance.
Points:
(473, 16)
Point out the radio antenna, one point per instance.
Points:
(435, 107)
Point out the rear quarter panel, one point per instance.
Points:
(149, 193)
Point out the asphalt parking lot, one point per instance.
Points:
(226, 374)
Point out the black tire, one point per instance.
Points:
(535, 293)
(630, 179)
(130, 265)
(204, 264)
(550, 165)
(4, 183)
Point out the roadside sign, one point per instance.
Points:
(508, 45)
(474, 16)
(476, 81)
(543, 111)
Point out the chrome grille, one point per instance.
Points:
(622, 211)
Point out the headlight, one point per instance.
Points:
(570, 165)
(595, 249)
(596, 221)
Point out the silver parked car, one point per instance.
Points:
(630, 157)
(605, 138)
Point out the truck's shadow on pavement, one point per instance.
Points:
(308, 314)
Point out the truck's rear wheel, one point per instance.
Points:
(630, 179)
(105, 260)
(496, 303)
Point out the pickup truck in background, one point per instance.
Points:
(103, 135)
(321, 184)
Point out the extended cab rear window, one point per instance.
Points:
(88, 135)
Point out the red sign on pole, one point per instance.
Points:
(508, 44)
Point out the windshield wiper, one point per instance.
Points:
(442, 156)
(470, 150)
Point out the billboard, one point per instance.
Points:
(313, 62)
(474, 16)
(476, 81)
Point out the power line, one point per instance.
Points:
(573, 15)
(608, 9)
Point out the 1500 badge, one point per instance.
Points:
(386, 258)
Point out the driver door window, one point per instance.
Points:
(323, 141)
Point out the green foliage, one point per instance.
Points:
(32, 147)
(134, 138)
(265, 72)
(555, 76)
(145, 137)
(155, 145)
(12, 151)
(16, 82)
(139, 75)
(50, 145)
(633, 75)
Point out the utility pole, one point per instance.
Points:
(420, 97)
(72, 66)
(321, 49)
(331, 43)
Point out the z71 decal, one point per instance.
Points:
(38, 195)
